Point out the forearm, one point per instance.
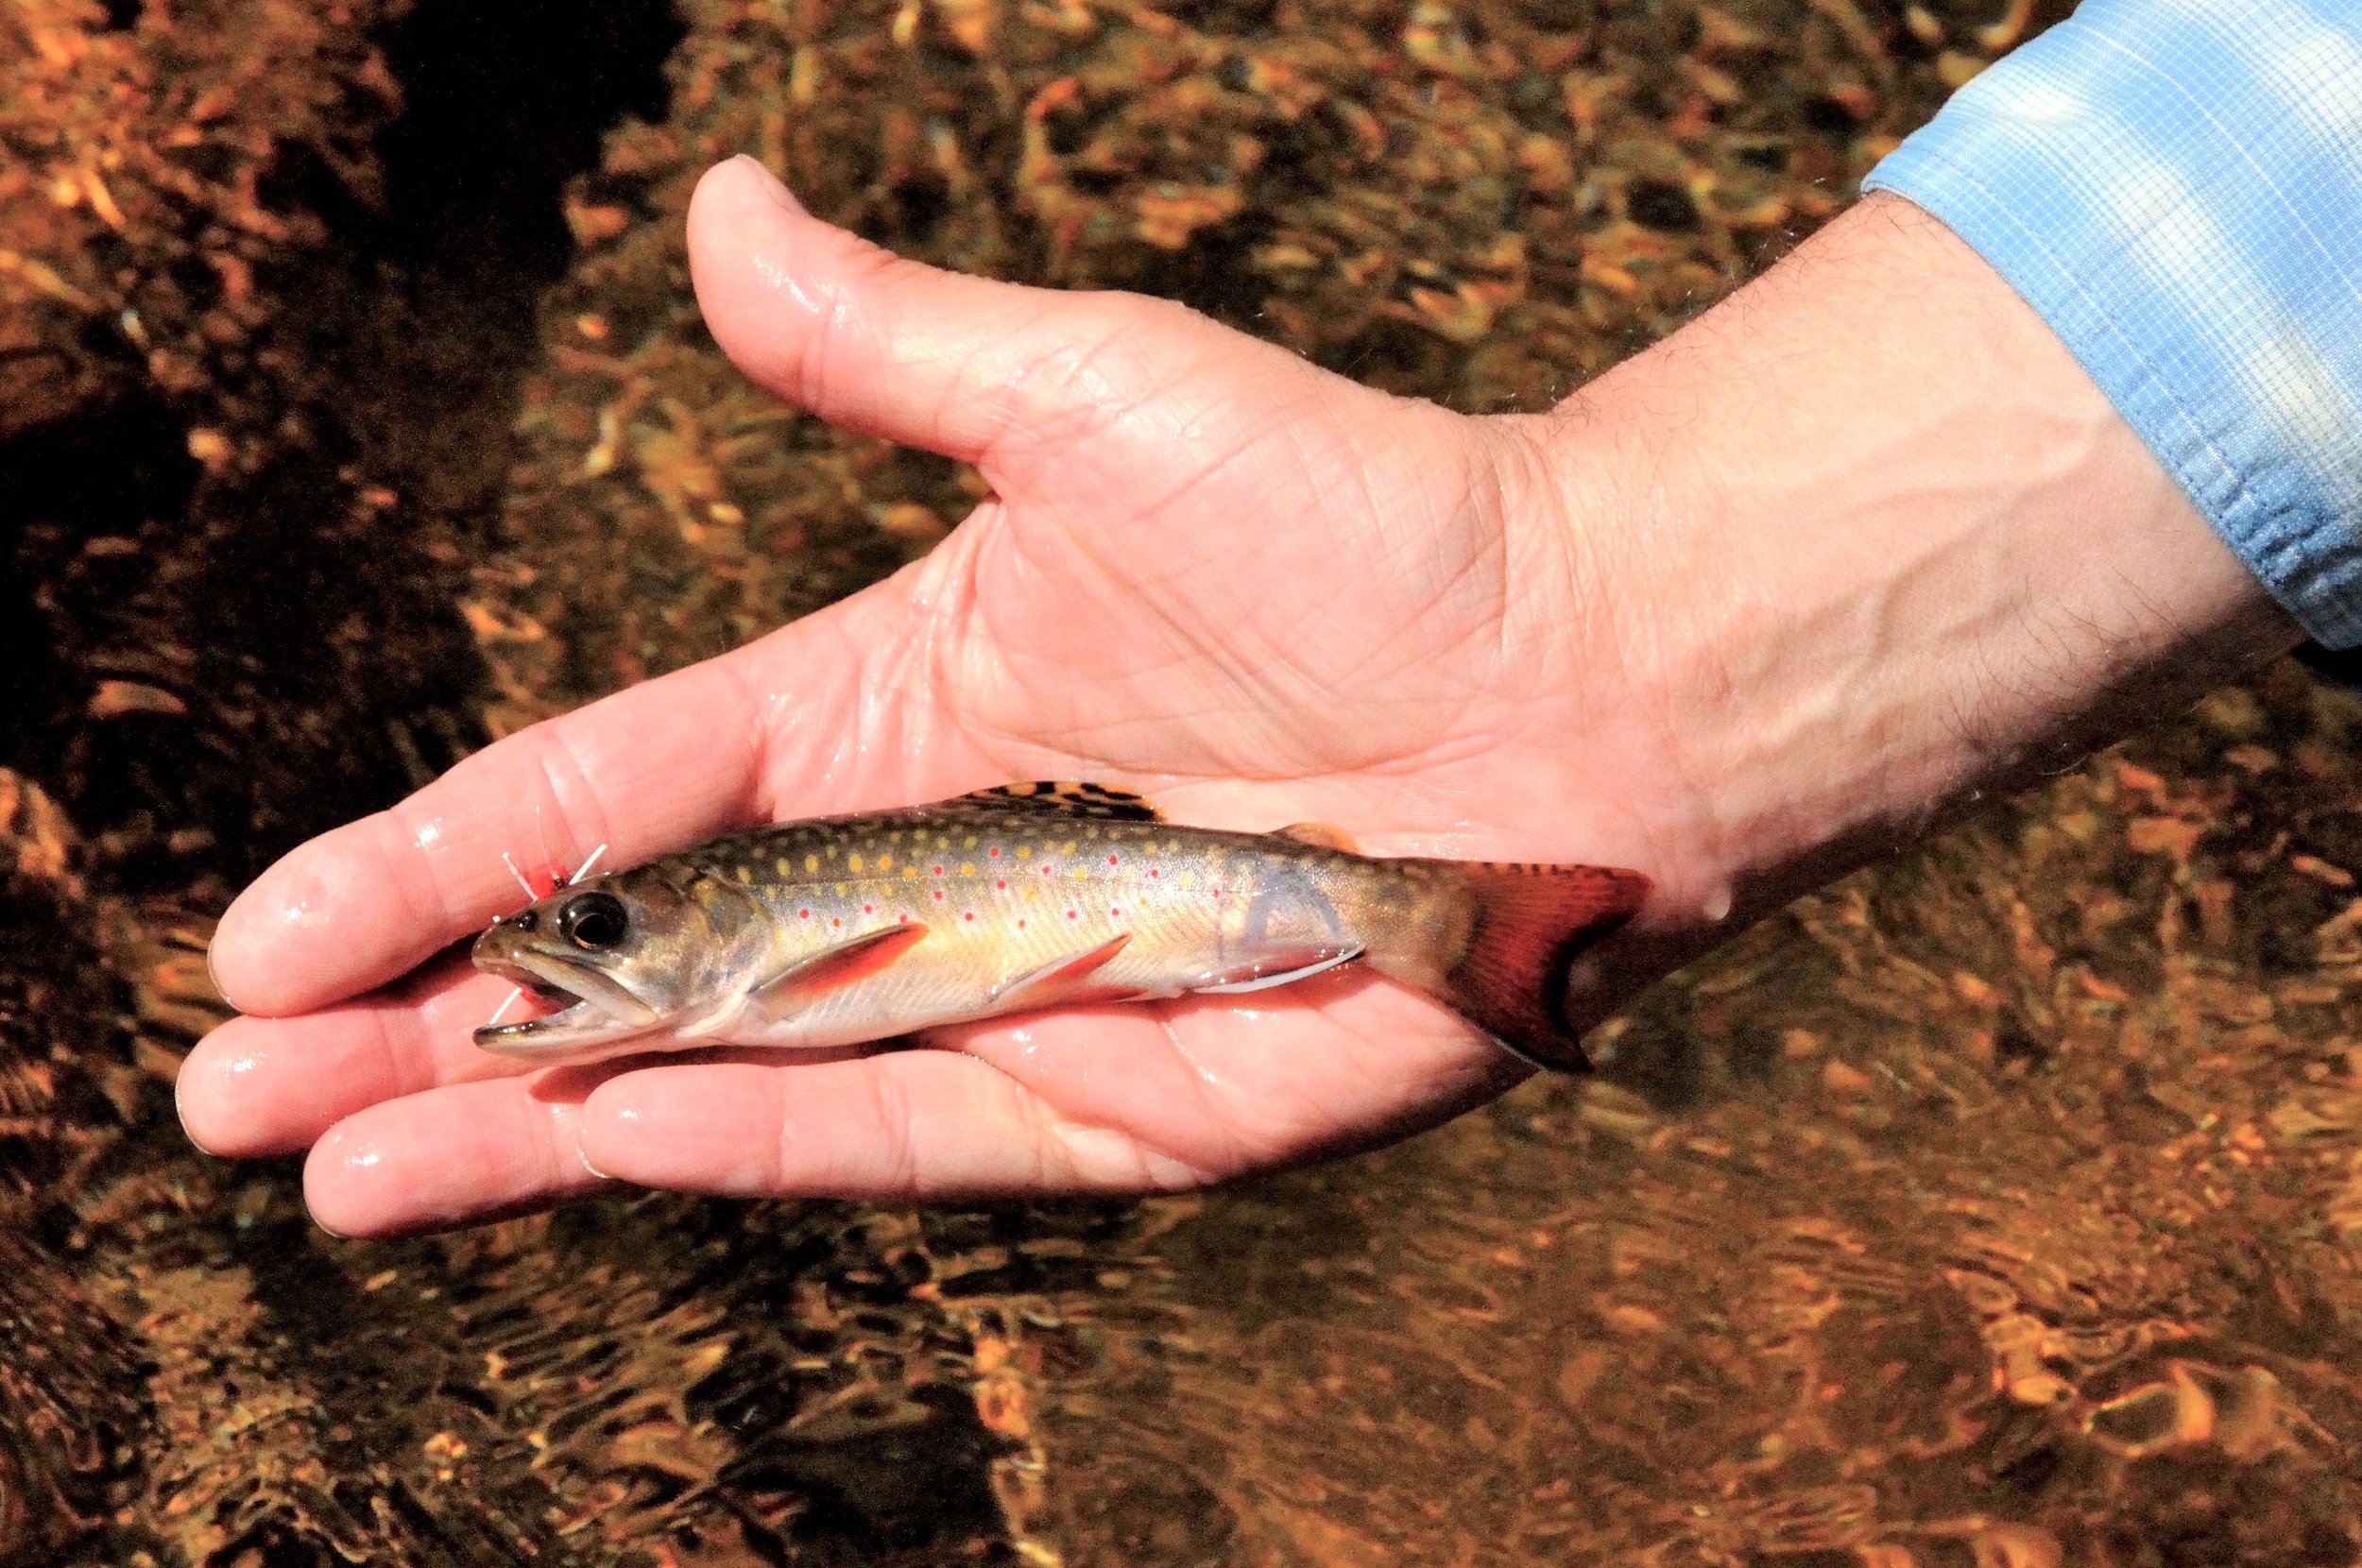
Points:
(1884, 546)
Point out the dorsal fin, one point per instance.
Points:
(1064, 797)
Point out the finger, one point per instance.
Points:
(1335, 1063)
(653, 768)
(451, 1156)
(260, 1087)
(912, 1124)
(648, 768)
(1125, 1100)
(976, 370)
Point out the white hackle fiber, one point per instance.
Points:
(506, 1002)
(530, 895)
(583, 870)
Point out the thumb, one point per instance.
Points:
(990, 373)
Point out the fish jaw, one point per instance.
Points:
(600, 1018)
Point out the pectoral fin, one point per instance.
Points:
(1278, 968)
(805, 980)
(834, 968)
(1066, 982)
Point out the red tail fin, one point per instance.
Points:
(1531, 922)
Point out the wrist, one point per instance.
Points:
(1875, 544)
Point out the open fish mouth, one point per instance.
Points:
(594, 1011)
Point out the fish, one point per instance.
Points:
(844, 930)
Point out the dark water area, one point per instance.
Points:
(1999, 1206)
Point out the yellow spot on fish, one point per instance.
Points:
(1025, 851)
(811, 862)
(967, 868)
(745, 874)
(786, 869)
(968, 842)
(1069, 847)
(854, 862)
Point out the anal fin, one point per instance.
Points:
(1281, 969)
(1066, 982)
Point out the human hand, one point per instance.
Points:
(1210, 571)
(1674, 628)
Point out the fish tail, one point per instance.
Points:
(1528, 923)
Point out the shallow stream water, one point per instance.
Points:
(1999, 1206)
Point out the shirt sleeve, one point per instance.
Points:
(2176, 187)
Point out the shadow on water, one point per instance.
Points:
(215, 659)
(228, 618)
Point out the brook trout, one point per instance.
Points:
(845, 930)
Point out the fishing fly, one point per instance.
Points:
(557, 881)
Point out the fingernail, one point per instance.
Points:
(212, 973)
(771, 183)
(181, 1112)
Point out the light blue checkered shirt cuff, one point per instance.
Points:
(2176, 187)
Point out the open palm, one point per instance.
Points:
(1212, 572)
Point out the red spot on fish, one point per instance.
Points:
(869, 908)
(1020, 925)
(969, 916)
(1069, 915)
(1045, 871)
(803, 914)
(1112, 910)
(939, 870)
(1002, 883)
(1151, 870)
(904, 919)
(994, 852)
(938, 895)
(1111, 860)
(837, 922)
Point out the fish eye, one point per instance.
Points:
(594, 920)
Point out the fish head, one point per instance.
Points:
(630, 956)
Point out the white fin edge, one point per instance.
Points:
(1264, 982)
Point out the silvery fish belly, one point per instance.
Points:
(846, 929)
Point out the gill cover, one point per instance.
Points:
(630, 955)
